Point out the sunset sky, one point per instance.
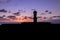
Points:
(16, 10)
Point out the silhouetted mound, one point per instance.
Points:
(30, 27)
(36, 23)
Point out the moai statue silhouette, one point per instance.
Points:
(35, 16)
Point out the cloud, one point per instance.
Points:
(3, 10)
(44, 17)
(42, 14)
(46, 11)
(11, 17)
(3, 15)
(17, 14)
(25, 17)
(50, 18)
(8, 18)
(21, 10)
(50, 12)
(4, 19)
(39, 17)
(30, 17)
(56, 16)
(54, 21)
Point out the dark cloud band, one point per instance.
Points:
(3, 10)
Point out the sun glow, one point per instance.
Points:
(20, 19)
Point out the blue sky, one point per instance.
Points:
(28, 5)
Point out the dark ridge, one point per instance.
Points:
(30, 27)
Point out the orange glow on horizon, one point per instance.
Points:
(21, 19)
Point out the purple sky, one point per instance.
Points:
(28, 5)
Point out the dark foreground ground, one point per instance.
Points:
(30, 27)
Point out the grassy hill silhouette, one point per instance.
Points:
(30, 27)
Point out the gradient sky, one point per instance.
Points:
(27, 5)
